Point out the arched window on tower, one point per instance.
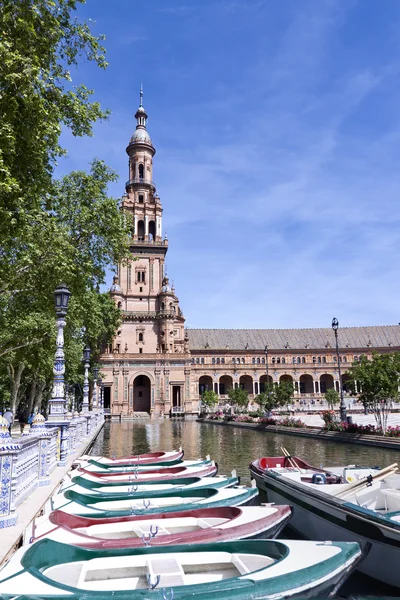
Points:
(152, 231)
(141, 171)
(140, 337)
(141, 231)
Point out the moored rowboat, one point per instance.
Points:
(93, 506)
(157, 458)
(143, 489)
(363, 510)
(207, 470)
(185, 527)
(233, 570)
(94, 467)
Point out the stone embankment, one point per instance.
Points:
(379, 441)
(33, 465)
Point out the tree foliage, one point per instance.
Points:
(332, 397)
(209, 399)
(238, 396)
(275, 396)
(377, 381)
(51, 231)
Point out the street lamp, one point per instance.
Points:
(266, 362)
(95, 373)
(343, 414)
(57, 401)
(86, 360)
(100, 387)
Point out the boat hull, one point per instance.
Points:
(318, 516)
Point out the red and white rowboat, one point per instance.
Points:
(186, 527)
(161, 474)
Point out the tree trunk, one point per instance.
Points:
(15, 383)
(32, 393)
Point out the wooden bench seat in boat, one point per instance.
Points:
(392, 499)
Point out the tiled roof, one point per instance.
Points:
(378, 336)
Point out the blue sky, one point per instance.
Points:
(277, 128)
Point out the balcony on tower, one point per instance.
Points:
(131, 184)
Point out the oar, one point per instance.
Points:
(365, 480)
(291, 460)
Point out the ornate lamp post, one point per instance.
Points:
(57, 402)
(86, 359)
(343, 414)
(95, 399)
(100, 387)
(266, 362)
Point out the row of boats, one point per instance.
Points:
(158, 526)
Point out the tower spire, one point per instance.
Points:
(141, 93)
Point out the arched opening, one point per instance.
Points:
(205, 384)
(225, 384)
(287, 378)
(306, 384)
(107, 397)
(346, 383)
(141, 171)
(141, 394)
(326, 382)
(152, 230)
(263, 382)
(246, 383)
(141, 230)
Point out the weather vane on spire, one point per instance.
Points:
(141, 93)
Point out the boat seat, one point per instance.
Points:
(170, 571)
(247, 563)
(67, 574)
(392, 499)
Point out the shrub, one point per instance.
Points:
(291, 422)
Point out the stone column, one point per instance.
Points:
(8, 459)
(39, 429)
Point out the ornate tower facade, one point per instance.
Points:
(148, 365)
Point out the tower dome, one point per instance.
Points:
(141, 135)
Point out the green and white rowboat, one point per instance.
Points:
(139, 503)
(230, 570)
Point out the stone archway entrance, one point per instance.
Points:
(141, 394)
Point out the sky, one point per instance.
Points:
(277, 129)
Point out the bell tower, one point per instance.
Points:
(152, 330)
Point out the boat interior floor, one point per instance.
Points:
(138, 572)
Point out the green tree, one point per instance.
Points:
(41, 44)
(239, 397)
(208, 400)
(284, 393)
(275, 396)
(378, 383)
(332, 398)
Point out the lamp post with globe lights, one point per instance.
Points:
(86, 361)
(95, 398)
(343, 413)
(100, 388)
(57, 401)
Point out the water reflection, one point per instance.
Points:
(232, 448)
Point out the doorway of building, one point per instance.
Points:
(176, 395)
(107, 397)
(141, 394)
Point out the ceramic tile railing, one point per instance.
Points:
(28, 461)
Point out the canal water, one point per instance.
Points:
(234, 448)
